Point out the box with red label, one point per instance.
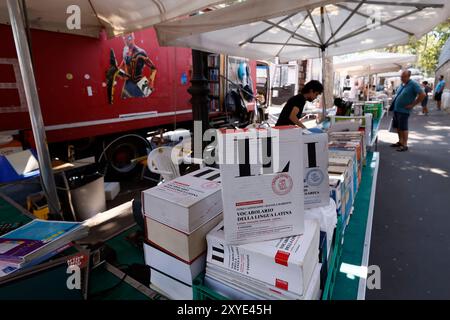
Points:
(284, 264)
(262, 183)
(185, 203)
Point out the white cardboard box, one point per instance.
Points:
(186, 202)
(173, 267)
(263, 196)
(316, 164)
(286, 263)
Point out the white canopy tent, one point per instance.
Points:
(292, 29)
(372, 63)
(114, 16)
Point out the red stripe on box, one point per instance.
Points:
(247, 203)
(281, 284)
(282, 257)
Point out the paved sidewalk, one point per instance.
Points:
(411, 226)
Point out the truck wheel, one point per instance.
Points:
(121, 155)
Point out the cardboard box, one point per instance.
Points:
(286, 264)
(262, 195)
(173, 267)
(187, 202)
(315, 173)
(186, 247)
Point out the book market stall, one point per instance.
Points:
(281, 213)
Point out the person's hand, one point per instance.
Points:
(409, 106)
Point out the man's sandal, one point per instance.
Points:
(402, 149)
(395, 145)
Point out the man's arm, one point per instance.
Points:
(294, 119)
(418, 100)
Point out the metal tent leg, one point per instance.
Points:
(37, 123)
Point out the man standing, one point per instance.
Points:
(438, 91)
(408, 95)
(293, 109)
(427, 90)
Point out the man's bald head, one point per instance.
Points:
(406, 75)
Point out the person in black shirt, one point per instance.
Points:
(293, 109)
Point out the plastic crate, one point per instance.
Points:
(375, 108)
(202, 292)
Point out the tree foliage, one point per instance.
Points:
(428, 48)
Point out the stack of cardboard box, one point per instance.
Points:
(178, 215)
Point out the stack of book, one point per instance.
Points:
(178, 215)
(286, 268)
(347, 151)
(36, 242)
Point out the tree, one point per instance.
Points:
(428, 48)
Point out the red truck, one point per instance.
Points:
(93, 90)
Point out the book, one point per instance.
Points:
(36, 239)
(286, 263)
(6, 269)
(187, 202)
(169, 286)
(238, 288)
(262, 183)
(185, 246)
(230, 291)
(172, 266)
(249, 284)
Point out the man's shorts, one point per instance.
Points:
(400, 121)
(438, 96)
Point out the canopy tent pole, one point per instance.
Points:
(322, 50)
(34, 108)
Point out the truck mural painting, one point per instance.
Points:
(131, 69)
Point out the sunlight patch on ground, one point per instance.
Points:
(438, 171)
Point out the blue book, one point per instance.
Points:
(36, 239)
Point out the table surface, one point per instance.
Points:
(356, 245)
